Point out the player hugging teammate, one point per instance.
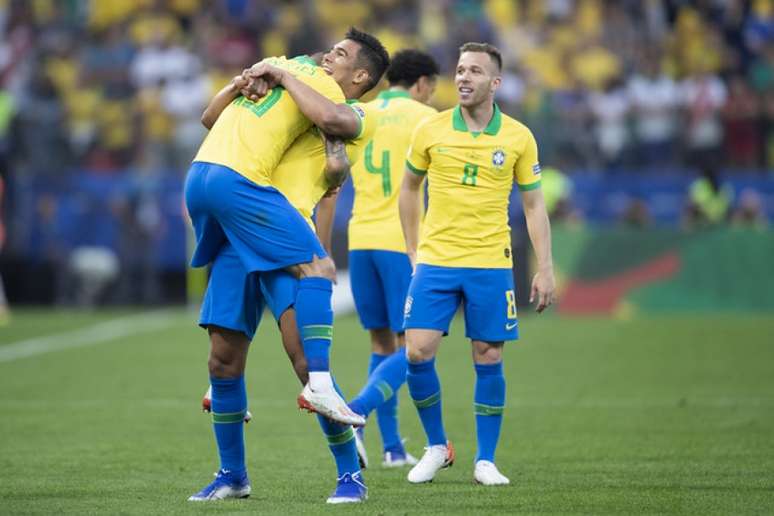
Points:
(251, 199)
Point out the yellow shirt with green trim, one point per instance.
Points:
(300, 175)
(251, 137)
(375, 222)
(470, 179)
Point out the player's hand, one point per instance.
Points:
(251, 88)
(271, 74)
(412, 256)
(543, 289)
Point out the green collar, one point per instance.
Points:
(304, 59)
(492, 129)
(393, 94)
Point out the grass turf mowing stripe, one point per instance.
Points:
(101, 333)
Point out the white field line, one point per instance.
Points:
(100, 333)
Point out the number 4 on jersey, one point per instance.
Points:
(384, 169)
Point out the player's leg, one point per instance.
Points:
(368, 295)
(489, 402)
(314, 315)
(341, 438)
(490, 319)
(279, 289)
(433, 299)
(269, 234)
(230, 311)
(380, 282)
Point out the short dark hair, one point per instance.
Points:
(486, 48)
(409, 65)
(372, 55)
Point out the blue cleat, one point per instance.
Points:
(350, 489)
(225, 485)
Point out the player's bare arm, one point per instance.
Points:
(337, 166)
(539, 229)
(239, 85)
(326, 209)
(410, 208)
(333, 119)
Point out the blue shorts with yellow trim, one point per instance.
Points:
(488, 297)
(233, 297)
(265, 230)
(380, 281)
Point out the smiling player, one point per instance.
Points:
(471, 155)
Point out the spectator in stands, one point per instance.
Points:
(742, 125)
(654, 98)
(610, 109)
(704, 96)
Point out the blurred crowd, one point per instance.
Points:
(117, 87)
(119, 84)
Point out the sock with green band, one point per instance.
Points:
(229, 404)
(488, 406)
(425, 390)
(315, 321)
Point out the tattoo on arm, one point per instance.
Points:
(338, 165)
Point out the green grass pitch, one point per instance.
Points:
(653, 415)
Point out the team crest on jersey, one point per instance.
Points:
(498, 158)
(359, 111)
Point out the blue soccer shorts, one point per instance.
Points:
(279, 289)
(233, 298)
(380, 281)
(488, 297)
(266, 231)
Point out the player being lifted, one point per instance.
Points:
(380, 270)
(244, 225)
(471, 154)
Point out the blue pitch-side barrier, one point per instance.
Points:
(85, 212)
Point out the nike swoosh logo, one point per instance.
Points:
(510, 326)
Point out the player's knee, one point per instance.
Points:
(220, 368)
(417, 354)
(487, 352)
(319, 268)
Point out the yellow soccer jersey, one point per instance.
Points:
(251, 137)
(300, 175)
(470, 178)
(375, 222)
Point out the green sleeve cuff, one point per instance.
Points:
(531, 186)
(414, 169)
(359, 120)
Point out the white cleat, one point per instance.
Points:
(329, 404)
(394, 460)
(436, 457)
(486, 473)
(361, 449)
(207, 405)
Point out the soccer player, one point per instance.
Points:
(380, 270)
(243, 225)
(302, 176)
(471, 155)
